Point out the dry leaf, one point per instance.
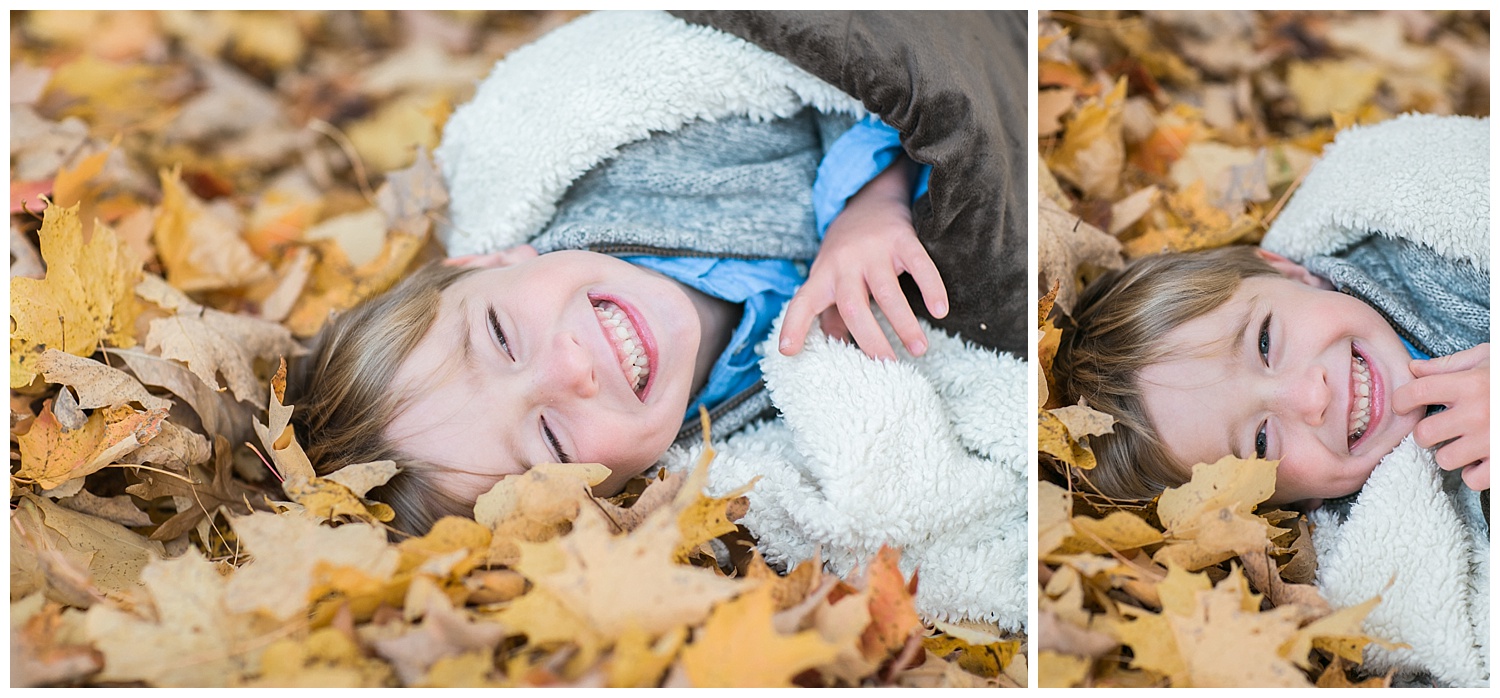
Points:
(193, 638)
(614, 583)
(199, 248)
(51, 456)
(743, 627)
(211, 343)
(535, 506)
(444, 632)
(87, 296)
(1210, 519)
(1066, 246)
(1093, 147)
(291, 553)
(97, 385)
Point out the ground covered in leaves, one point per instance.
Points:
(1183, 131)
(192, 193)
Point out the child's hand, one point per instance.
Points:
(1462, 382)
(866, 248)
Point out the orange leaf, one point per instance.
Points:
(893, 611)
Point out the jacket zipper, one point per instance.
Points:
(695, 426)
(621, 249)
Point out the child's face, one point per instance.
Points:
(488, 407)
(1284, 370)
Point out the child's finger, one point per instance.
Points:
(922, 269)
(1440, 389)
(799, 316)
(855, 309)
(888, 295)
(1458, 361)
(1460, 453)
(1477, 476)
(1440, 427)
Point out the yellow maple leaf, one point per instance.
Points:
(1053, 438)
(535, 506)
(1226, 641)
(293, 557)
(978, 652)
(1061, 533)
(1209, 519)
(87, 296)
(1340, 633)
(1188, 221)
(1323, 87)
(639, 662)
(1059, 670)
(615, 583)
(1092, 152)
(739, 647)
(198, 250)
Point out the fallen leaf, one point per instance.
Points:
(1093, 149)
(614, 583)
(1323, 87)
(44, 535)
(444, 632)
(51, 456)
(1210, 519)
(535, 506)
(326, 658)
(893, 611)
(290, 555)
(1068, 246)
(212, 343)
(742, 627)
(121, 509)
(199, 248)
(85, 298)
(193, 638)
(97, 385)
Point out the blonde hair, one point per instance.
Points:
(343, 400)
(1116, 330)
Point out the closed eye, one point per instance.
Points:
(557, 449)
(499, 333)
(1263, 345)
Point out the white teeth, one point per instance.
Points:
(1359, 406)
(628, 348)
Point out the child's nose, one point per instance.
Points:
(1307, 395)
(569, 371)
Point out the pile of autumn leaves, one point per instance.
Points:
(166, 526)
(1214, 137)
(546, 585)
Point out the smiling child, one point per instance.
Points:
(648, 217)
(1241, 351)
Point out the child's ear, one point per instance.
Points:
(503, 258)
(1292, 270)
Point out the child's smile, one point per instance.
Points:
(570, 356)
(632, 343)
(1288, 371)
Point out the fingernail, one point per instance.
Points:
(917, 348)
(940, 310)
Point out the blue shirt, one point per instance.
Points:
(765, 286)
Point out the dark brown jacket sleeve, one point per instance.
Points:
(954, 85)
